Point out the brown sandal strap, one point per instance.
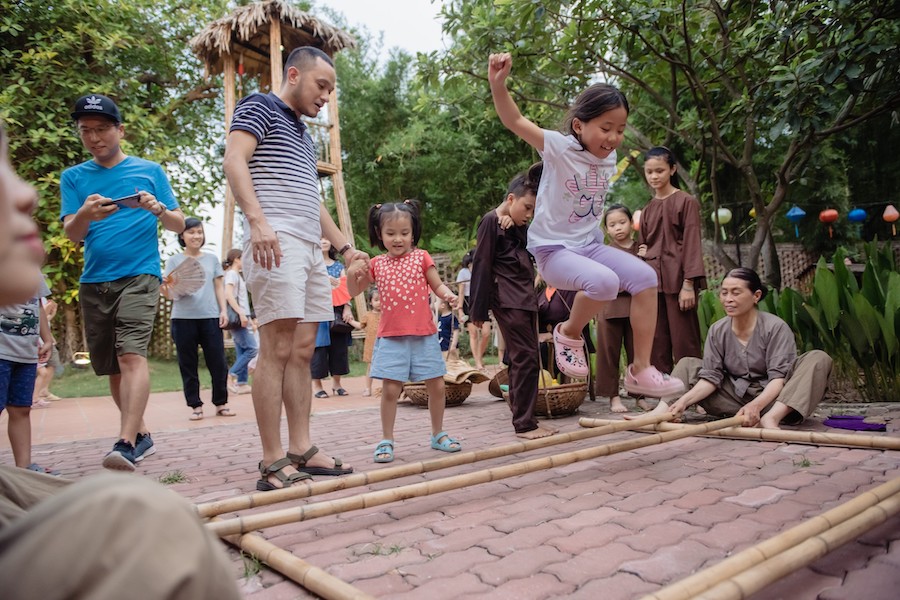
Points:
(302, 459)
(276, 469)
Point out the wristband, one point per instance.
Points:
(344, 248)
(162, 212)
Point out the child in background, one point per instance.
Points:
(503, 281)
(448, 327)
(670, 243)
(25, 340)
(564, 237)
(479, 336)
(407, 348)
(613, 324)
(370, 322)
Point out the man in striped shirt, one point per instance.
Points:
(270, 162)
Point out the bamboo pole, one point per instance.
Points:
(312, 578)
(744, 584)
(697, 583)
(276, 66)
(817, 438)
(378, 498)
(305, 490)
(230, 103)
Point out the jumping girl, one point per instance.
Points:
(407, 348)
(564, 236)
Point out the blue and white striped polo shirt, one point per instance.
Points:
(283, 166)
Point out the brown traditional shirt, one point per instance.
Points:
(769, 354)
(670, 227)
(502, 269)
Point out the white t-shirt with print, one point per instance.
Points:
(572, 194)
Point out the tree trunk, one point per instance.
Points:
(71, 341)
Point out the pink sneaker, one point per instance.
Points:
(569, 355)
(650, 382)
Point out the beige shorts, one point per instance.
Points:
(298, 289)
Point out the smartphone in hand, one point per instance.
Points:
(132, 201)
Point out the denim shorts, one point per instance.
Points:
(16, 383)
(408, 358)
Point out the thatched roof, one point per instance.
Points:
(246, 31)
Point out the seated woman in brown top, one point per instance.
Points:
(750, 365)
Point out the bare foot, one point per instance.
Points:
(540, 432)
(767, 422)
(615, 405)
(643, 404)
(549, 428)
(661, 408)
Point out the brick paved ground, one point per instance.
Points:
(613, 527)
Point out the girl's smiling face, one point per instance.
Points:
(618, 225)
(397, 234)
(603, 134)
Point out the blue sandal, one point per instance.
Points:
(384, 447)
(448, 445)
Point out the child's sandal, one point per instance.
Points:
(384, 451)
(569, 354)
(447, 445)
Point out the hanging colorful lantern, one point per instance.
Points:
(722, 217)
(795, 215)
(890, 216)
(857, 215)
(636, 219)
(829, 216)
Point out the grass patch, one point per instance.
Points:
(803, 463)
(379, 550)
(171, 477)
(252, 565)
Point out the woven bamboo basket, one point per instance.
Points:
(558, 400)
(456, 393)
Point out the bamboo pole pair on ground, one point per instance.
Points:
(305, 490)
(378, 498)
(852, 440)
(749, 571)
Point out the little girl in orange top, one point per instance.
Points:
(407, 348)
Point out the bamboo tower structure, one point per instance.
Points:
(252, 42)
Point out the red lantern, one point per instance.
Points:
(890, 216)
(828, 216)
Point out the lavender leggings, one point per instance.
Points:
(597, 269)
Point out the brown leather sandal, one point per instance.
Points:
(301, 460)
(276, 469)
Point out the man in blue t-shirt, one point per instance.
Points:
(113, 204)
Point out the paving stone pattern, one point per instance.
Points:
(615, 527)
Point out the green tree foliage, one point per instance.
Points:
(135, 52)
(405, 138)
(748, 93)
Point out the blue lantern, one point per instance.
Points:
(795, 215)
(857, 215)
